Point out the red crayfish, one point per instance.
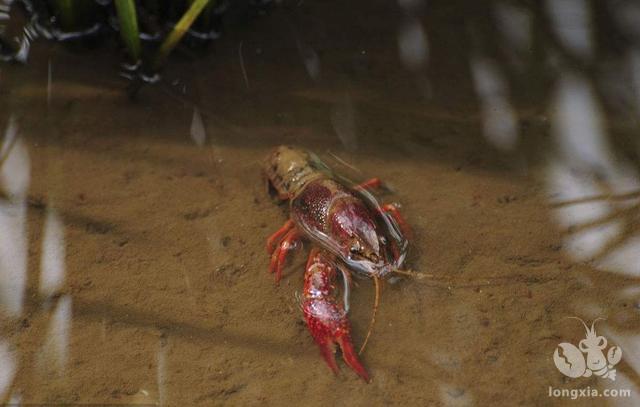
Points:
(350, 232)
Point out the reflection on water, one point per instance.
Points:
(198, 132)
(515, 26)
(310, 59)
(14, 179)
(412, 44)
(52, 267)
(596, 193)
(132, 264)
(499, 118)
(161, 379)
(54, 354)
(343, 119)
(571, 21)
(8, 367)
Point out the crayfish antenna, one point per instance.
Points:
(376, 302)
(415, 274)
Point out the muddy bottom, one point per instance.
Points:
(133, 267)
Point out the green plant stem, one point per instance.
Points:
(75, 15)
(66, 13)
(178, 31)
(129, 27)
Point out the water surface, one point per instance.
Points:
(133, 267)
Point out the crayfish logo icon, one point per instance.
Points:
(571, 362)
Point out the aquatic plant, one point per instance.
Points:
(148, 29)
(128, 19)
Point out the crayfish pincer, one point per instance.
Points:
(350, 231)
(326, 318)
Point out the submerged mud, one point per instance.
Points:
(134, 232)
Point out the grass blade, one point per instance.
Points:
(66, 13)
(129, 27)
(178, 31)
(75, 15)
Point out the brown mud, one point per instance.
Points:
(164, 240)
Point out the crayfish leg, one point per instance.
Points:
(274, 239)
(279, 256)
(373, 183)
(392, 209)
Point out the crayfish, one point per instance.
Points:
(350, 232)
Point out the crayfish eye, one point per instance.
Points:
(354, 250)
(383, 240)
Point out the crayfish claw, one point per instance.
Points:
(329, 355)
(351, 358)
(325, 317)
(327, 342)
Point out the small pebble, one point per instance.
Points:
(455, 392)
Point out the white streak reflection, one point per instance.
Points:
(7, 369)
(627, 16)
(161, 372)
(571, 22)
(54, 355)
(10, 136)
(344, 123)
(578, 124)
(198, 131)
(14, 180)
(412, 45)
(13, 256)
(634, 69)
(578, 128)
(624, 259)
(499, 118)
(14, 174)
(515, 24)
(15, 399)
(567, 185)
(310, 59)
(52, 268)
(584, 179)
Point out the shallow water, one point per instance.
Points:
(132, 259)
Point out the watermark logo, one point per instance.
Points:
(588, 357)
